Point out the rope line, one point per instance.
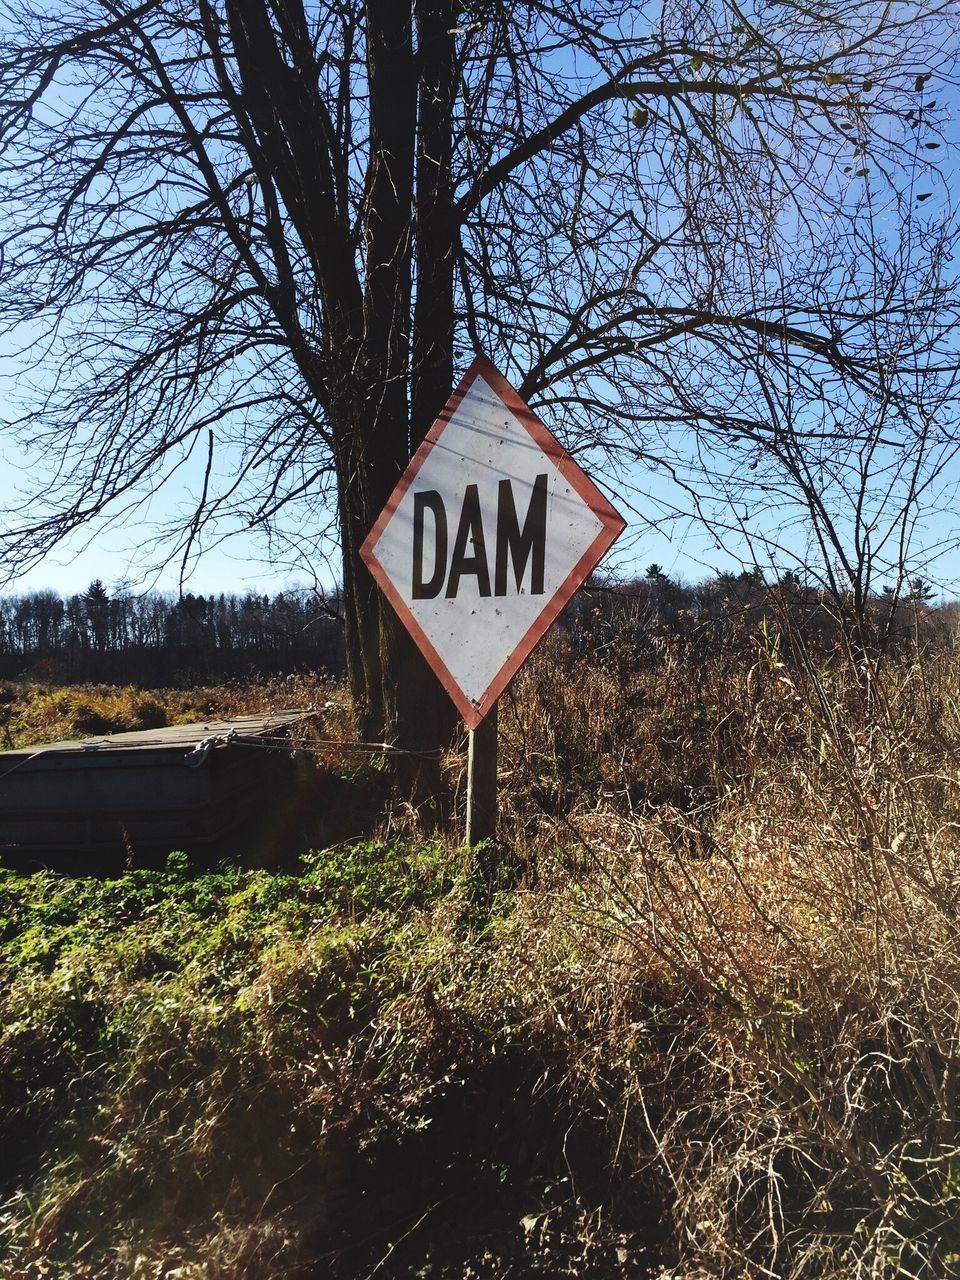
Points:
(316, 746)
(199, 752)
(25, 760)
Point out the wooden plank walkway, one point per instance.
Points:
(172, 737)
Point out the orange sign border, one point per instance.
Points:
(612, 523)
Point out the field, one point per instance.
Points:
(695, 1015)
(32, 713)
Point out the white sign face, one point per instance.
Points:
(489, 533)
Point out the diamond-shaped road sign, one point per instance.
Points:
(488, 534)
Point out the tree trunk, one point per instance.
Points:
(378, 407)
(399, 696)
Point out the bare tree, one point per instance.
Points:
(267, 233)
(834, 449)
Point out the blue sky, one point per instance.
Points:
(115, 553)
(118, 551)
(123, 550)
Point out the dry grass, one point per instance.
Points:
(698, 1017)
(32, 714)
(792, 924)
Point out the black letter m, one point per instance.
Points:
(530, 542)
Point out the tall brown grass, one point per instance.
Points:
(705, 996)
(33, 713)
(770, 914)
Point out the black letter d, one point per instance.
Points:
(432, 499)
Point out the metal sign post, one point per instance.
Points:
(482, 747)
(488, 534)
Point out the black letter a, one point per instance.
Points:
(470, 529)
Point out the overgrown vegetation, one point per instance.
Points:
(696, 1017)
(32, 713)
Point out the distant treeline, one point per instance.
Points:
(156, 639)
(737, 612)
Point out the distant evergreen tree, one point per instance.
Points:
(157, 639)
(97, 605)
